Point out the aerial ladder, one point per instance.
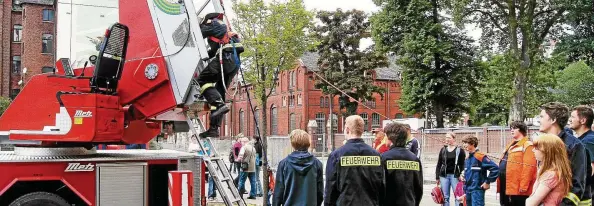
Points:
(142, 76)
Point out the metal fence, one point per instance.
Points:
(492, 140)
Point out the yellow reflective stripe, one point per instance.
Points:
(402, 165)
(586, 202)
(206, 86)
(360, 161)
(212, 108)
(573, 197)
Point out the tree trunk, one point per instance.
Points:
(437, 58)
(516, 112)
(439, 114)
(264, 135)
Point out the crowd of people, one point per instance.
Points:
(554, 168)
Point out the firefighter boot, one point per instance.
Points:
(217, 106)
(213, 130)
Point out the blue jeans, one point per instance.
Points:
(211, 187)
(475, 198)
(252, 176)
(446, 183)
(258, 182)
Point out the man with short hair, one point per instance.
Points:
(553, 118)
(300, 176)
(412, 143)
(404, 173)
(354, 174)
(580, 122)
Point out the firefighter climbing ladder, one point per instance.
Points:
(217, 168)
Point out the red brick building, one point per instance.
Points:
(295, 102)
(28, 28)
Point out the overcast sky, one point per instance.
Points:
(330, 5)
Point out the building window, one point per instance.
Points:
(284, 101)
(399, 116)
(375, 120)
(14, 93)
(273, 121)
(242, 122)
(47, 70)
(366, 121)
(321, 121)
(322, 102)
(327, 102)
(16, 64)
(47, 43)
(17, 34)
(334, 123)
(48, 15)
(292, 122)
(299, 100)
(16, 5)
(370, 104)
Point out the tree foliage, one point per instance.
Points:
(575, 85)
(342, 62)
(439, 68)
(577, 44)
(517, 27)
(274, 35)
(492, 102)
(4, 103)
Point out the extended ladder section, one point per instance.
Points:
(217, 168)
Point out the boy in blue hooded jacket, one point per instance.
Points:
(299, 178)
(476, 180)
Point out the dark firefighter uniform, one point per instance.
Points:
(581, 170)
(224, 58)
(404, 177)
(354, 176)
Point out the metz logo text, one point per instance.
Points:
(80, 113)
(77, 167)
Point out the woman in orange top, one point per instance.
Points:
(517, 168)
(554, 173)
(381, 142)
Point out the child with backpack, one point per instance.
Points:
(479, 172)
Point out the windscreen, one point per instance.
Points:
(81, 25)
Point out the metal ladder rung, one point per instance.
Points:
(218, 169)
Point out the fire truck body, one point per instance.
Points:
(107, 178)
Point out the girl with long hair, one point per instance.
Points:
(554, 171)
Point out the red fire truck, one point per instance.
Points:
(140, 78)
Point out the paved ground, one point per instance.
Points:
(490, 196)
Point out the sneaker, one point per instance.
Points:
(211, 132)
(252, 197)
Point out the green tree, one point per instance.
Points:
(440, 71)
(491, 104)
(274, 36)
(577, 44)
(4, 103)
(574, 85)
(518, 28)
(342, 62)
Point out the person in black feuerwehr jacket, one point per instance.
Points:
(553, 118)
(404, 174)
(354, 174)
